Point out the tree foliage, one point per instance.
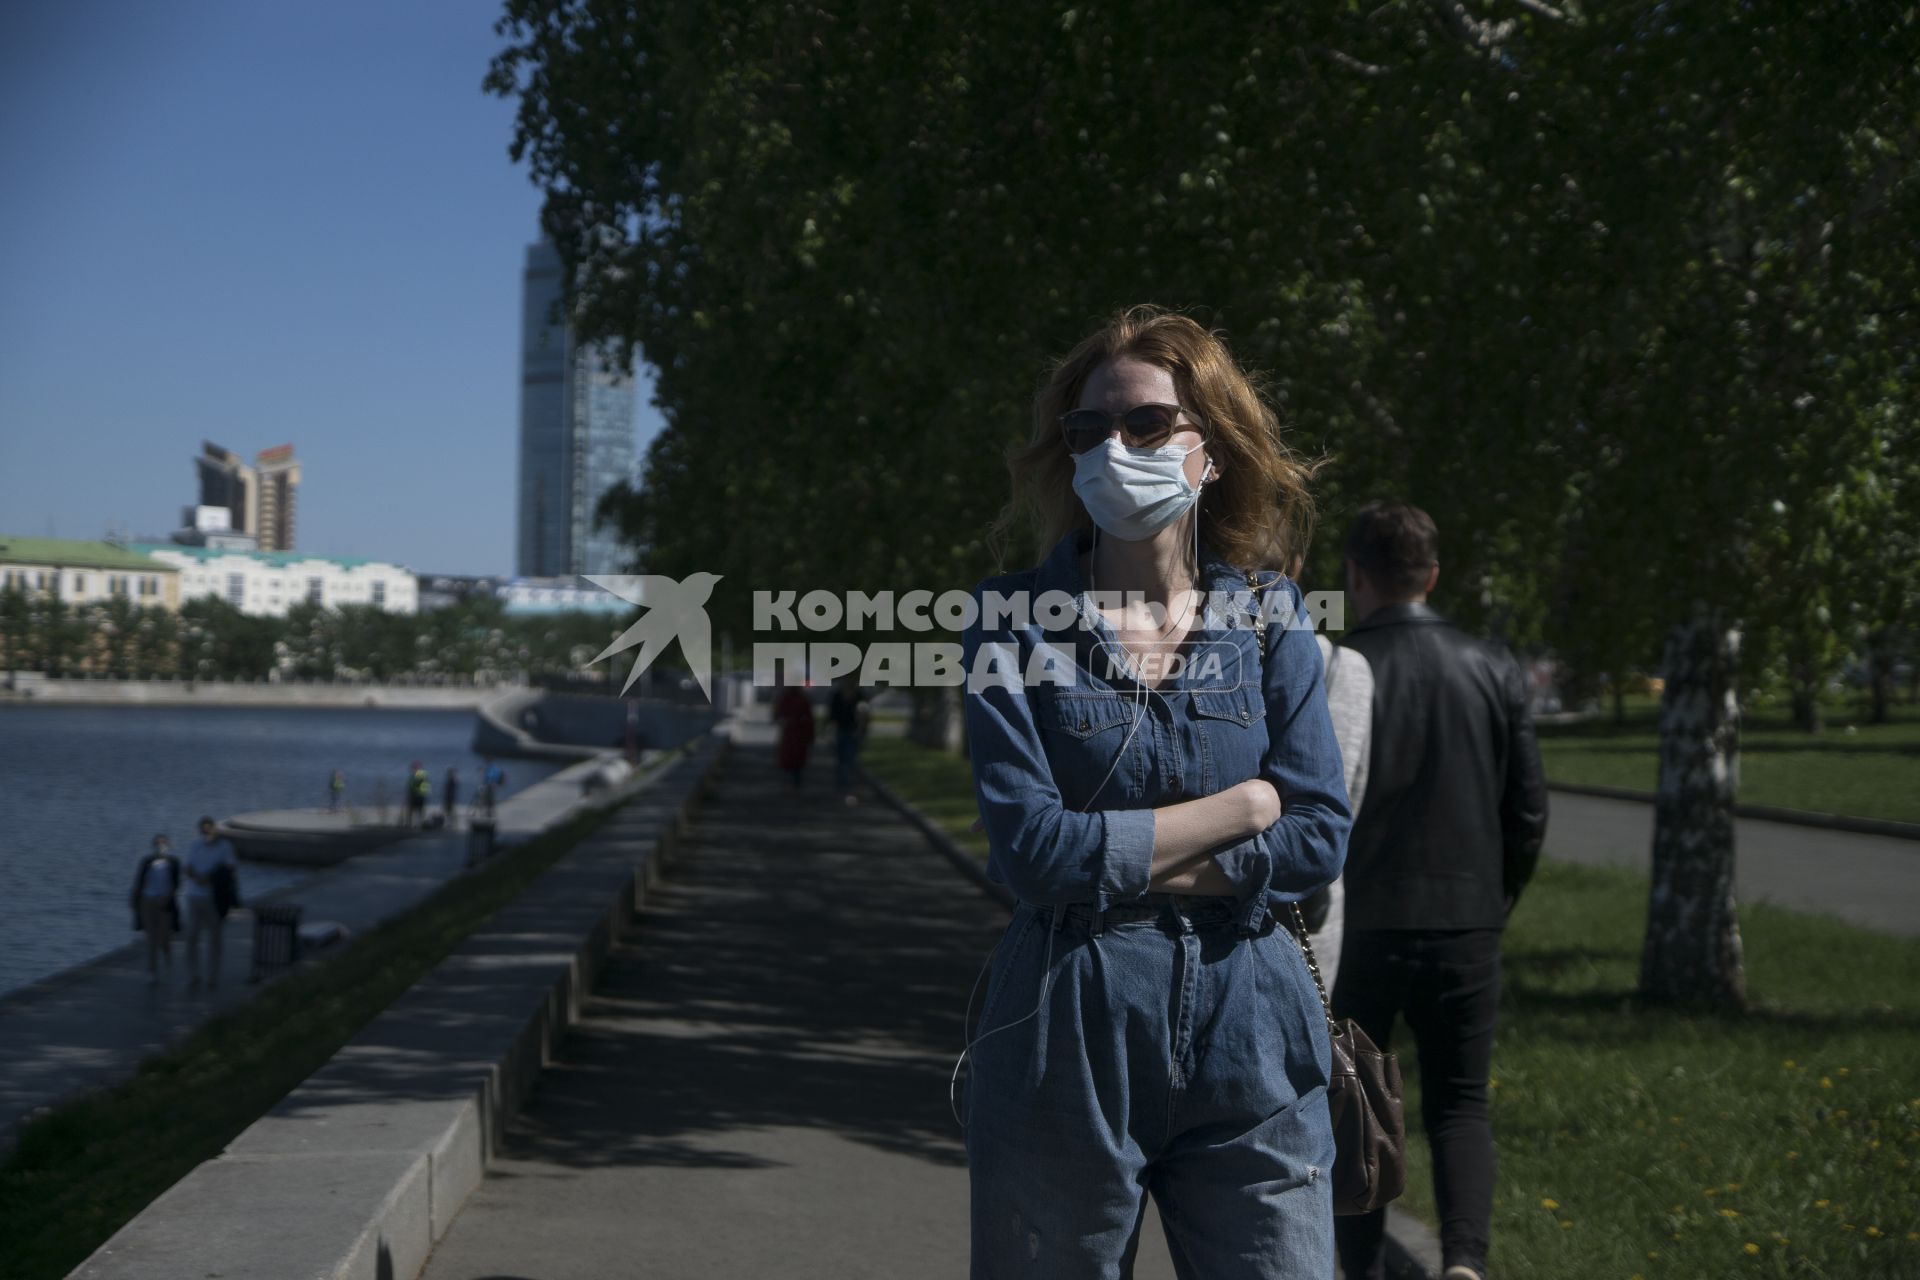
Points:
(209, 639)
(1623, 295)
(1546, 271)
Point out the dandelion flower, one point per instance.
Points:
(1729, 1213)
(1788, 1064)
(1793, 1155)
(1549, 1203)
(1751, 1248)
(1826, 1082)
(1566, 1223)
(1821, 1204)
(1873, 1233)
(1711, 1191)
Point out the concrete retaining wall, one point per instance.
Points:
(535, 725)
(362, 1168)
(36, 688)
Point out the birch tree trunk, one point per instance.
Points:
(936, 719)
(1692, 951)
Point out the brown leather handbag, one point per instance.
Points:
(1363, 1097)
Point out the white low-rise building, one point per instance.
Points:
(271, 582)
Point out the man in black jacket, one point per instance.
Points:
(1456, 810)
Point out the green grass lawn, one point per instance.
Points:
(1865, 770)
(81, 1172)
(1635, 1142)
(938, 784)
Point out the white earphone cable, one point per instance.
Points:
(1142, 695)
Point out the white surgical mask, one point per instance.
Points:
(1134, 493)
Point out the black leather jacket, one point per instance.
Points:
(1456, 806)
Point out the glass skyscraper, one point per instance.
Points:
(576, 435)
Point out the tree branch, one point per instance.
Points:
(1354, 64)
(1543, 9)
(1483, 35)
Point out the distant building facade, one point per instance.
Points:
(576, 434)
(279, 479)
(271, 582)
(212, 527)
(557, 595)
(83, 572)
(445, 590)
(260, 500)
(227, 484)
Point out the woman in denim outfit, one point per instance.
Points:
(1158, 777)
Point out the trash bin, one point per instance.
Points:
(479, 839)
(276, 939)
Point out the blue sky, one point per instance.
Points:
(260, 224)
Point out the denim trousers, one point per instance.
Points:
(1174, 1055)
(203, 920)
(1446, 984)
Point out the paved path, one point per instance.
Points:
(1872, 881)
(758, 1086)
(90, 1026)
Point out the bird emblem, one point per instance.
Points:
(674, 610)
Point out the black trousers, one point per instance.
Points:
(1446, 984)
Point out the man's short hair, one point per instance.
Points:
(1396, 545)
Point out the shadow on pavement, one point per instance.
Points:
(805, 964)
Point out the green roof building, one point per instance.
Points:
(81, 572)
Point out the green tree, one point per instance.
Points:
(16, 631)
(219, 642)
(1619, 294)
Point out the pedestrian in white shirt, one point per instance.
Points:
(206, 856)
(1348, 680)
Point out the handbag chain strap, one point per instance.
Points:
(1313, 965)
(1299, 921)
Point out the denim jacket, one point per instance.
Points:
(1067, 784)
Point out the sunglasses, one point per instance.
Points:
(1145, 426)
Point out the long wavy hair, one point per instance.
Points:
(1256, 513)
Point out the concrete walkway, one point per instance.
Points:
(1872, 881)
(758, 1086)
(91, 1026)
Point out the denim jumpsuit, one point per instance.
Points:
(1134, 1042)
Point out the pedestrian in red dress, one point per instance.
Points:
(794, 714)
